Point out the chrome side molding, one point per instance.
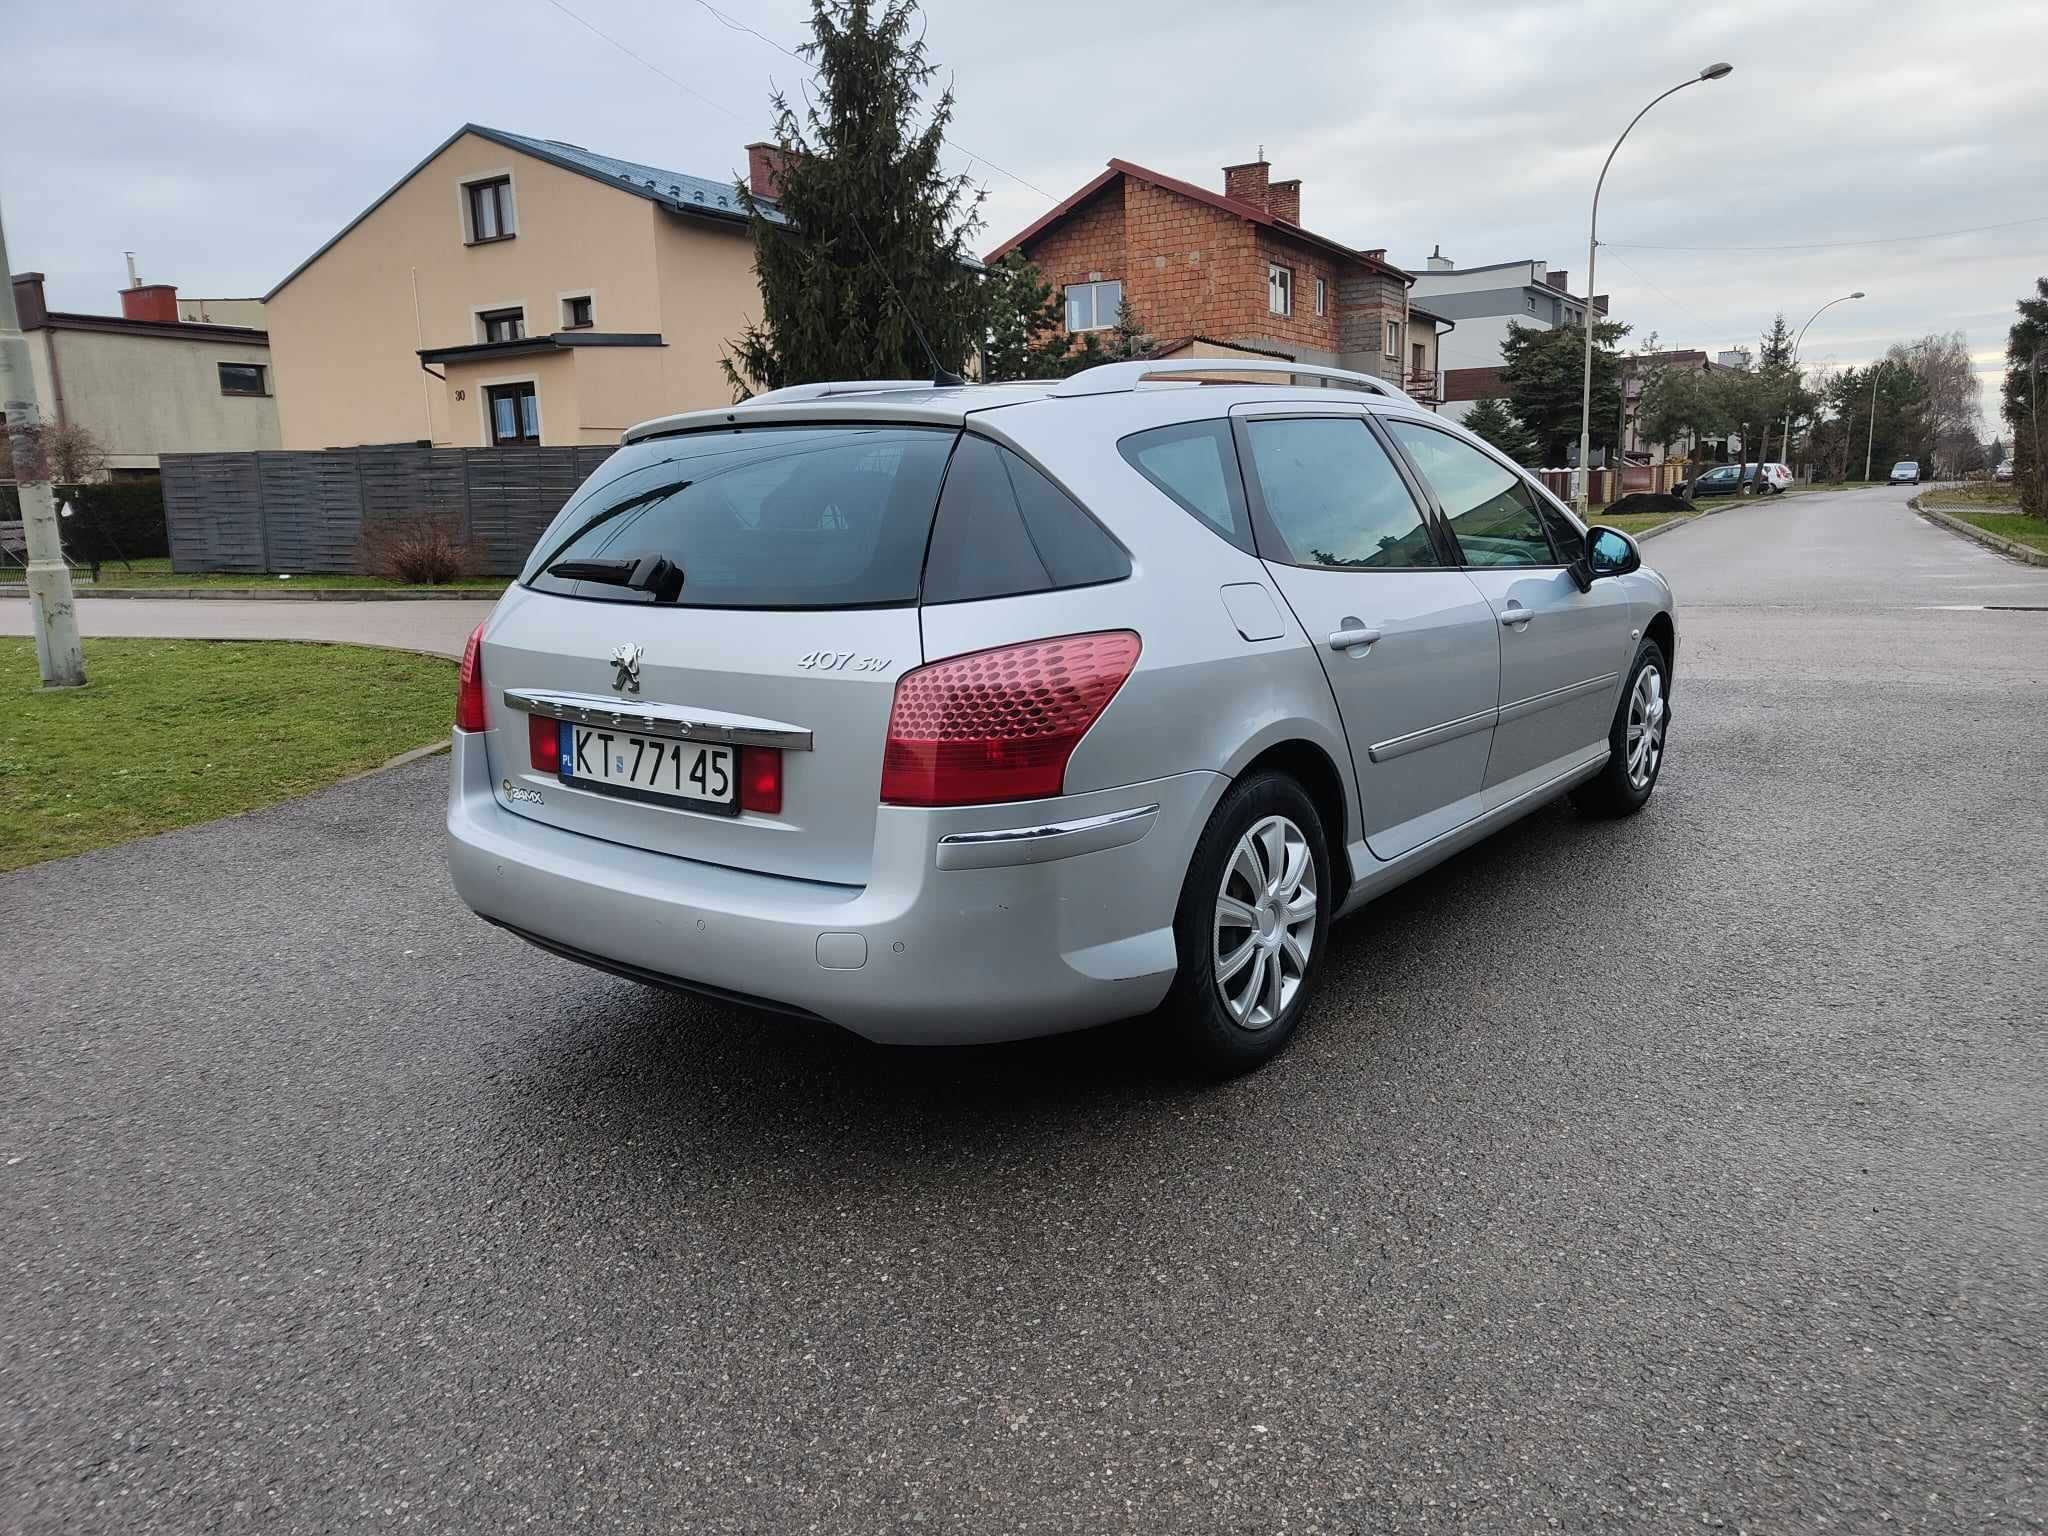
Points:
(1039, 845)
(595, 709)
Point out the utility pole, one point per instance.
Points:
(1870, 438)
(53, 611)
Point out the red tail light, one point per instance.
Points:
(1001, 724)
(761, 780)
(469, 691)
(544, 744)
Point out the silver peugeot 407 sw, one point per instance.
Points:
(970, 713)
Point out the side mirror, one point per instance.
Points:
(1610, 552)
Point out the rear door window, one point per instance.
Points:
(1003, 528)
(1489, 507)
(1332, 497)
(766, 517)
(1195, 463)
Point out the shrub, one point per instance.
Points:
(416, 551)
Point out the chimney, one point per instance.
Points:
(764, 170)
(1557, 281)
(28, 300)
(1283, 200)
(1439, 262)
(1247, 182)
(150, 301)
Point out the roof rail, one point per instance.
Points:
(789, 394)
(1121, 378)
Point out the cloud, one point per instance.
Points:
(224, 141)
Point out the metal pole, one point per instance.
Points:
(2037, 473)
(1870, 438)
(1711, 72)
(53, 611)
(1785, 446)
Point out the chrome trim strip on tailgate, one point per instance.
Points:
(1540, 701)
(1039, 845)
(1430, 736)
(660, 719)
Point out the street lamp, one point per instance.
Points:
(1711, 72)
(1870, 437)
(1785, 442)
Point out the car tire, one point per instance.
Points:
(1636, 741)
(1242, 986)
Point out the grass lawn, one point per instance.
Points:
(170, 732)
(2017, 526)
(1636, 522)
(158, 573)
(1985, 494)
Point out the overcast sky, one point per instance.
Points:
(223, 142)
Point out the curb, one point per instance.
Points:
(1678, 521)
(431, 749)
(273, 594)
(2007, 547)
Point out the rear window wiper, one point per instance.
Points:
(654, 574)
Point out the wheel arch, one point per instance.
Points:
(1664, 631)
(1311, 765)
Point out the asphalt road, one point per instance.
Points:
(1685, 1173)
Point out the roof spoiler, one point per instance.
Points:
(1121, 378)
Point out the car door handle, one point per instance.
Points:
(1514, 616)
(1351, 637)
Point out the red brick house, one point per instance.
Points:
(1234, 269)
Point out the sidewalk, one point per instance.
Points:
(439, 628)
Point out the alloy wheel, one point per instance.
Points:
(1265, 922)
(1645, 727)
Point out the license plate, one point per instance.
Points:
(690, 774)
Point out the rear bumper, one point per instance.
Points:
(1062, 919)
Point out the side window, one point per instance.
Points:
(1196, 464)
(1565, 536)
(1489, 507)
(1333, 496)
(1002, 528)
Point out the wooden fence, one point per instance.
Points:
(1633, 477)
(304, 512)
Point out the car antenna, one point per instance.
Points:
(942, 377)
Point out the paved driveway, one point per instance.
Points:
(441, 627)
(1686, 1173)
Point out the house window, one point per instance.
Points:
(1530, 300)
(1416, 354)
(1279, 289)
(1321, 305)
(490, 210)
(1393, 338)
(1093, 306)
(514, 410)
(576, 313)
(243, 379)
(503, 324)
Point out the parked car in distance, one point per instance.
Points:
(1906, 472)
(2003, 471)
(1741, 480)
(978, 712)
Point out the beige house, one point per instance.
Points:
(144, 382)
(513, 291)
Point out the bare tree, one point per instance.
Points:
(1955, 399)
(67, 455)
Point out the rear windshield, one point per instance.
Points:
(765, 517)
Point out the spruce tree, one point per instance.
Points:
(876, 247)
(1492, 420)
